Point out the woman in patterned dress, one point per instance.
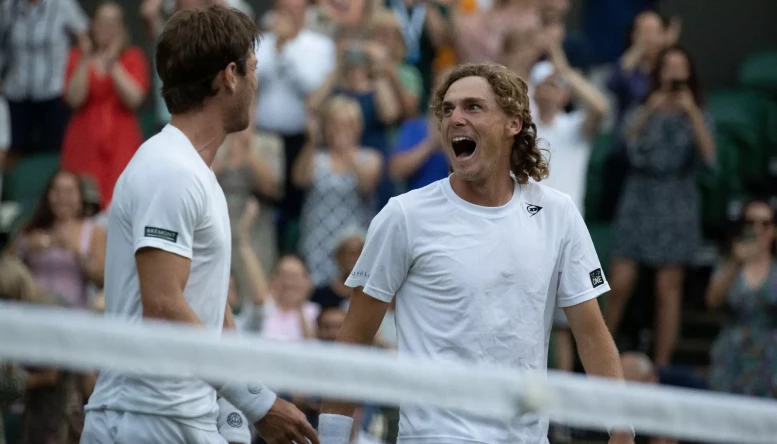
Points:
(658, 222)
(340, 182)
(744, 356)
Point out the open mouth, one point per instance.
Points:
(463, 147)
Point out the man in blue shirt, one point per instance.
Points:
(418, 158)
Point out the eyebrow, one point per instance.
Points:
(466, 101)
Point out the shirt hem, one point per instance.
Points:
(370, 291)
(164, 246)
(585, 296)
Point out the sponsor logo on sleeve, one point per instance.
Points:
(161, 233)
(234, 420)
(596, 277)
(362, 274)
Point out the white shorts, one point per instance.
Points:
(112, 427)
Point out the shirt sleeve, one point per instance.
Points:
(581, 277)
(232, 424)
(166, 216)
(74, 17)
(385, 260)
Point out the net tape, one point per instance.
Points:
(86, 341)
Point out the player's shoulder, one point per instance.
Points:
(540, 197)
(424, 199)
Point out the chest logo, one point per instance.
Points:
(532, 209)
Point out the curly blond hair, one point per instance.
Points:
(512, 95)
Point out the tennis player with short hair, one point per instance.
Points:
(169, 242)
(478, 262)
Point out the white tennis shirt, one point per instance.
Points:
(477, 284)
(166, 198)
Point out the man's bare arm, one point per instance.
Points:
(365, 314)
(163, 277)
(594, 342)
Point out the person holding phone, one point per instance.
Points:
(744, 356)
(658, 221)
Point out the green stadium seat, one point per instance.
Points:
(27, 179)
(597, 169)
(759, 71)
(743, 119)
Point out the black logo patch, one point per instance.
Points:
(532, 209)
(235, 420)
(254, 389)
(596, 277)
(161, 233)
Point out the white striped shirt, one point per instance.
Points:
(37, 43)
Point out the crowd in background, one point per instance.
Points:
(341, 125)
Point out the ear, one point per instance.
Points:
(513, 126)
(230, 77)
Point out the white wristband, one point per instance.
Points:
(334, 429)
(254, 400)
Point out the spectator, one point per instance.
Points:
(291, 63)
(630, 78)
(426, 29)
(38, 36)
(245, 174)
(569, 134)
(366, 73)
(480, 35)
(347, 248)
(289, 314)
(248, 312)
(63, 250)
(521, 50)
(46, 409)
(105, 83)
(340, 181)
(744, 356)
(5, 132)
(418, 157)
(658, 221)
(385, 30)
(576, 46)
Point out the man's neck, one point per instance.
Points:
(495, 191)
(198, 127)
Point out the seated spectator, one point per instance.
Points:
(658, 220)
(340, 181)
(418, 158)
(38, 35)
(288, 313)
(63, 250)
(347, 248)
(744, 356)
(47, 411)
(105, 84)
(569, 134)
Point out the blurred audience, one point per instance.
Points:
(64, 250)
(568, 134)
(291, 63)
(348, 246)
(340, 182)
(658, 221)
(554, 15)
(744, 356)
(37, 40)
(105, 83)
(288, 313)
(418, 158)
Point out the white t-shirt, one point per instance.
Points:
(166, 198)
(570, 152)
(477, 284)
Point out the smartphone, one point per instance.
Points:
(678, 85)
